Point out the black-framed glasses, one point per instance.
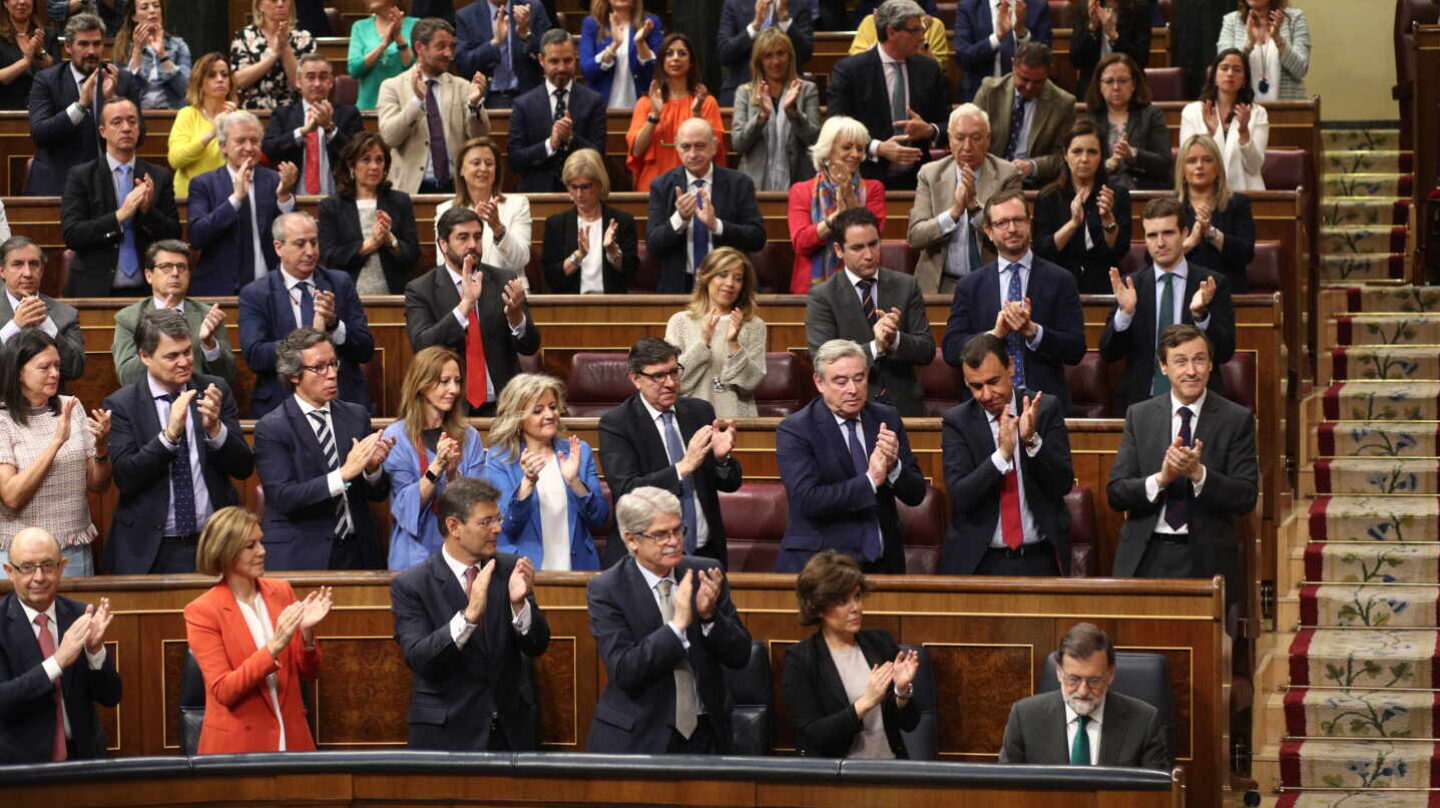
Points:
(580, 187)
(179, 266)
(660, 376)
(322, 368)
(660, 538)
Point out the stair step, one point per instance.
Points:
(1392, 562)
(1356, 764)
(1384, 329)
(1363, 658)
(1356, 799)
(1382, 400)
(1364, 211)
(1407, 362)
(1377, 439)
(1332, 713)
(1360, 139)
(1376, 475)
(1347, 267)
(1376, 605)
(1369, 161)
(1361, 239)
(1378, 184)
(1385, 521)
(1405, 298)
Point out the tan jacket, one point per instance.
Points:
(933, 196)
(1054, 114)
(404, 128)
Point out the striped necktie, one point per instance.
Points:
(326, 437)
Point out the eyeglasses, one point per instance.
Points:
(322, 368)
(180, 267)
(660, 376)
(1006, 224)
(1115, 81)
(491, 521)
(580, 187)
(678, 534)
(912, 29)
(29, 568)
(1093, 682)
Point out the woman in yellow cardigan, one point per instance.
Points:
(193, 148)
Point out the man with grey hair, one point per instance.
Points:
(665, 626)
(22, 265)
(945, 220)
(845, 459)
(65, 104)
(302, 295)
(898, 92)
(232, 208)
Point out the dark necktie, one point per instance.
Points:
(560, 108)
(181, 485)
(58, 750)
(867, 300)
(1080, 749)
(332, 462)
(307, 305)
(439, 155)
(675, 450)
(1017, 122)
(1179, 491)
(699, 233)
(898, 107)
(1163, 319)
(870, 545)
(1014, 343)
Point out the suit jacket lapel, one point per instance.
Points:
(105, 180)
(643, 610)
(652, 448)
(1059, 740)
(829, 672)
(832, 435)
(847, 303)
(1208, 413)
(1112, 732)
(305, 434)
(6, 313)
(1146, 310)
(19, 636)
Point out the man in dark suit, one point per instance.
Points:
(1083, 723)
(64, 103)
(47, 702)
(175, 446)
(302, 295)
(114, 208)
(1029, 115)
(22, 265)
(1027, 301)
(470, 693)
(232, 208)
(321, 463)
(1007, 468)
(657, 438)
(845, 460)
(1169, 292)
(665, 626)
(742, 20)
(501, 38)
(988, 33)
(698, 206)
(1185, 473)
(167, 270)
(852, 304)
(312, 132)
(554, 119)
(471, 308)
(905, 118)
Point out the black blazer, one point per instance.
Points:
(975, 484)
(857, 89)
(736, 205)
(430, 302)
(1091, 267)
(1131, 734)
(633, 455)
(1154, 167)
(142, 469)
(1134, 41)
(530, 121)
(562, 237)
(279, 144)
(1238, 224)
(455, 691)
(89, 226)
(27, 696)
(1137, 345)
(341, 237)
(823, 713)
(60, 145)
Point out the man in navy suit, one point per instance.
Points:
(1007, 468)
(64, 105)
(312, 132)
(302, 295)
(988, 32)
(698, 206)
(743, 20)
(1027, 301)
(321, 462)
(1175, 290)
(175, 446)
(232, 208)
(665, 627)
(501, 38)
(470, 693)
(844, 460)
(904, 118)
(47, 702)
(552, 121)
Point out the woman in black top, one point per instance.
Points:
(27, 46)
(366, 227)
(1105, 27)
(1137, 144)
(1222, 226)
(1081, 222)
(606, 258)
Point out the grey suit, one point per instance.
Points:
(933, 196)
(67, 333)
(1227, 431)
(1130, 733)
(128, 366)
(747, 135)
(832, 311)
(1054, 114)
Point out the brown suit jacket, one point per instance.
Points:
(933, 196)
(1054, 113)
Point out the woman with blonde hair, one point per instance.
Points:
(265, 55)
(836, 186)
(777, 116)
(194, 148)
(721, 339)
(243, 633)
(506, 217)
(549, 489)
(433, 445)
(591, 247)
(161, 61)
(618, 43)
(1222, 225)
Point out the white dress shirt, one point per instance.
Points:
(51, 666)
(592, 266)
(460, 628)
(1153, 490)
(285, 207)
(1072, 726)
(960, 266)
(702, 528)
(12, 328)
(292, 288)
(203, 506)
(257, 619)
(1030, 534)
(1181, 270)
(680, 225)
(517, 332)
(333, 480)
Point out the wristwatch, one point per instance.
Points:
(432, 476)
(653, 118)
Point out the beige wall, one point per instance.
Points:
(1352, 64)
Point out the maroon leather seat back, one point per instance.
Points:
(1265, 272)
(1240, 380)
(1286, 170)
(773, 267)
(924, 527)
(1134, 261)
(1091, 395)
(648, 272)
(755, 518)
(1084, 560)
(345, 90)
(1062, 14)
(787, 385)
(897, 256)
(596, 382)
(1166, 83)
(944, 386)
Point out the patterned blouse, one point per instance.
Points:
(61, 504)
(273, 90)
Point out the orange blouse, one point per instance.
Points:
(661, 156)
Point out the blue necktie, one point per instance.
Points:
(870, 546)
(129, 257)
(676, 450)
(1180, 489)
(504, 78)
(307, 305)
(699, 233)
(1014, 343)
(181, 486)
(1017, 123)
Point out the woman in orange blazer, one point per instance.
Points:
(243, 633)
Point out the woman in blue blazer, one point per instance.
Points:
(433, 445)
(604, 54)
(549, 489)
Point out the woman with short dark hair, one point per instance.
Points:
(367, 228)
(1137, 142)
(1082, 222)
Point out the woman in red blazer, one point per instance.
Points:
(836, 186)
(254, 642)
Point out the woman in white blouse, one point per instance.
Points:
(1276, 40)
(1227, 112)
(721, 339)
(506, 217)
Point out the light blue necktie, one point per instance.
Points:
(129, 257)
(675, 449)
(504, 71)
(1014, 343)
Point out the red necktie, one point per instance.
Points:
(312, 163)
(1010, 525)
(47, 650)
(471, 573)
(474, 362)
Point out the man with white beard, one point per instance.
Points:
(1082, 724)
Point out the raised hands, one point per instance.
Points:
(31, 312)
(914, 127)
(285, 625)
(314, 608)
(447, 454)
(366, 455)
(642, 46)
(480, 592)
(1026, 425)
(1242, 117)
(790, 100)
(209, 406)
(513, 297)
(887, 328)
(882, 678)
(896, 151)
(704, 211)
(470, 282)
(561, 131)
(681, 600)
(75, 638)
(570, 463)
(907, 665)
(521, 583)
(1124, 291)
(1105, 203)
(478, 85)
(701, 93)
(289, 175)
(722, 437)
(883, 456)
(174, 430)
(324, 311)
(1006, 436)
(1181, 461)
(1122, 153)
(100, 619)
(242, 181)
(98, 425)
(707, 593)
(762, 12)
(1277, 17)
(502, 26)
(1200, 301)
(1210, 112)
(1013, 317)
(1077, 207)
(964, 193)
(657, 98)
(767, 102)
(1004, 19)
(214, 319)
(531, 464)
(522, 21)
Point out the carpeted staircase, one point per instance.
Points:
(1352, 706)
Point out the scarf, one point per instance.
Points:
(824, 201)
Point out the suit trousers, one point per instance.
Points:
(1037, 563)
(1165, 559)
(175, 556)
(700, 742)
(346, 555)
